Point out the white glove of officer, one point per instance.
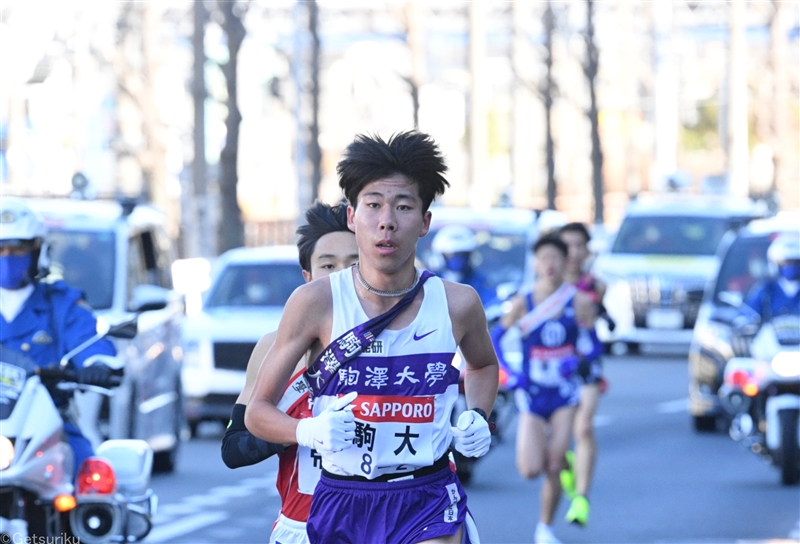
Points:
(472, 434)
(331, 431)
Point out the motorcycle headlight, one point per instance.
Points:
(6, 452)
(787, 364)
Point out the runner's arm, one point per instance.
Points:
(239, 447)
(254, 364)
(585, 310)
(303, 319)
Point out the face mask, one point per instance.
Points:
(790, 271)
(14, 271)
(457, 262)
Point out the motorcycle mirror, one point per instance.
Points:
(102, 327)
(125, 331)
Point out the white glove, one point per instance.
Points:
(473, 437)
(331, 431)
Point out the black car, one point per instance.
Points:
(743, 264)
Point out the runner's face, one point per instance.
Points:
(578, 250)
(388, 221)
(550, 264)
(333, 252)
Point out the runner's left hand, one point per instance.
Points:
(472, 434)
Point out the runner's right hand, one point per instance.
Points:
(331, 431)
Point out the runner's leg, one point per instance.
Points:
(531, 442)
(560, 435)
(585, 445)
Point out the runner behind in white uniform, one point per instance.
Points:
(325, 246)
(390, 186)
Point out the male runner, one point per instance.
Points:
(325, 246)
(386, 475)
(552, 316)
(576, 481)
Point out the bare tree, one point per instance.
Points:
(590, 68)
(314, 149)
(136, 66)
(546, 91)
(415, 38)
(231, 226)
(199, 219)
(781, 143)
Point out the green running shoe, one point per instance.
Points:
(578, 511)
(568, 475)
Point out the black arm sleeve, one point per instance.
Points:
(240, 448)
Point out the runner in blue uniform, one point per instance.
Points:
(383, 401)
(552, 319)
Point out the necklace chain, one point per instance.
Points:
(379, 292)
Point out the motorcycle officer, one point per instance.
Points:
(45, 320)
(780, 294)
(454, 246)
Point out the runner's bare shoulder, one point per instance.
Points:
(307, 311)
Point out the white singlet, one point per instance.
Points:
(406, 386)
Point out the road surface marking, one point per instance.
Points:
(186, 525)
(673, 406)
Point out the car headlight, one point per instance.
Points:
(6, 452)
(787, 364)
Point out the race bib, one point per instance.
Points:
(309, 468)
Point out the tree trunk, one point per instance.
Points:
(199, 223)
(415, 38)
(547, 95)
(784, 184)
(231, 227)
(314, 150)
(590, 69)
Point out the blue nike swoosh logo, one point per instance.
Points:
(424, 335)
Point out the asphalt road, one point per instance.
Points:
(656, 480)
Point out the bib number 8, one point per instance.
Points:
(366, 465)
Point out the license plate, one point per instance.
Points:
(664, 318)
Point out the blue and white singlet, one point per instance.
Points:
(544, 350)
(406, 386)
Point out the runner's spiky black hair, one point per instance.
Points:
(321, 219)
(413, 154)
(551, 240)
(580, 228)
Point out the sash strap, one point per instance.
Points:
(350, 344)
(547, 309)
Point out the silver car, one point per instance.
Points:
(659, 263)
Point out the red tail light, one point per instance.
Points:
(96, 477)
(740, 378)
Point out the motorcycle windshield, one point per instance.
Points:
(14, 370)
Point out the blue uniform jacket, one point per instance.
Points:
(769, 300)
(52, 322)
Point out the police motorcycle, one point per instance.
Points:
(761, 393)
(106, 499)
